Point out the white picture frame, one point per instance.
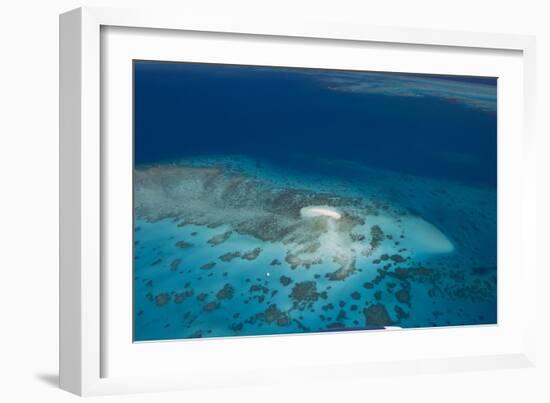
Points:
(95, 357)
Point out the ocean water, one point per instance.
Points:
(277, 200)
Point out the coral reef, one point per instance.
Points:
(183, 244)
(226, 292)
(208, 266)
(211, 306)
(162, 299)
(252, 254)
(220, 238)
(285, 280)
(229, 256)
(175, 264)
(343, 263)
(214, 197)
(376, 315)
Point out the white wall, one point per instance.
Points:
(28, 200)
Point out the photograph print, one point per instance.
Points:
(277, 200)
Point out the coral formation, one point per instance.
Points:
(376, 315)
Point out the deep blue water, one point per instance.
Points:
(289, 117)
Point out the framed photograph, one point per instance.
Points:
(249, 201)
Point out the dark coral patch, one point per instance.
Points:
(258, 288)
(182, 296)
(211, 306)
(236, 327)
(397, 258)
(305, 291)
(252, 254)
(274, 314)
(285, 280)
(403, 296)
(162, 299)
(401, 314)
(183, 244)
(208, 266)
(226, 292)
(196, 335)
(341, 315)
(377, 236)
(229, 256)
(376, 315)
(220, 238)
(175, 264)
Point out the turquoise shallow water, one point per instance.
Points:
(178, 295)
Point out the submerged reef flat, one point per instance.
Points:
(315, 226)
(216, 197)
(231, 252)
(473, 95)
